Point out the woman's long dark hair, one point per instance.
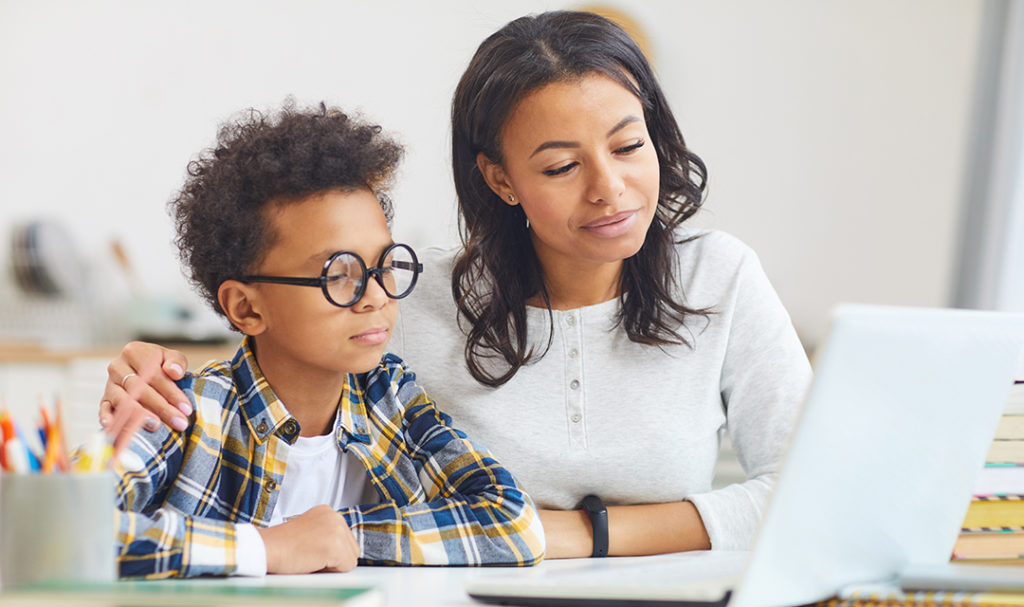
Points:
(498, 270)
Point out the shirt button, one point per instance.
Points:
(574, 353)
(270, 486)
(570, 320)
(290, 427)
(575, 384)
(262, 427)
(576, 418)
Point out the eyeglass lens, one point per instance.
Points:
(347, 273)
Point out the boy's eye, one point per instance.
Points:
(342, 284)
(560, 170)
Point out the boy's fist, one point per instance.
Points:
(316, 540)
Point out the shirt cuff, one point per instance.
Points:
(251, 554)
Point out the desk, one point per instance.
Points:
(443, 586)
(401, 586)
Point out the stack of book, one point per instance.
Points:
(993, 531)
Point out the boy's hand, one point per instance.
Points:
(316, 540)
(140, 383)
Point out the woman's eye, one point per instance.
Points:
(560, 170)
(631, 148)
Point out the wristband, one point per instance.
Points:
(599, 522)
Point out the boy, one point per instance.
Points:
(312, 448)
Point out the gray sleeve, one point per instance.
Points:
(765, 374)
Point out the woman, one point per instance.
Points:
(591, 342)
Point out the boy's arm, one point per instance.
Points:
(156, 539)
(463, 508)
(156, 542)
(154, 546)
(166, 543)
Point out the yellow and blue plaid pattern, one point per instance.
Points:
(444, 499)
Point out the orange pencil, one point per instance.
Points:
(6, 434)
(45, 415)
(63, 456)
(50, 456)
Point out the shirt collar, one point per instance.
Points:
(264, 413)
(353, 417)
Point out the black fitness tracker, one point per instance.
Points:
(599, 521)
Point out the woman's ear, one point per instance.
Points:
(496, 179)
(242, 305)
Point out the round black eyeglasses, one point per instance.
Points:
(345, 275)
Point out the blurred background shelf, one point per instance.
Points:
(31, 373)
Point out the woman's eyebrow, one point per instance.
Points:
(622, 123)
(547, 145)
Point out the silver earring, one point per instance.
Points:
(511, 198)
(527, 223)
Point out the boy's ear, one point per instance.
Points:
(242, 305)
(496, 179)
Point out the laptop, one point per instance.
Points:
(877, 476)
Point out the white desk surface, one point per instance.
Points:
(443, 586)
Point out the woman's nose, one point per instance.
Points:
(605, 182)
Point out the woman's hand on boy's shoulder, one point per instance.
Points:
(140, 392)
(316, 540)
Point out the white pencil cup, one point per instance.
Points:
(56, 528)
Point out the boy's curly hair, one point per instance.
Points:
(264, 159)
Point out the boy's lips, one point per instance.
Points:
(372, 337)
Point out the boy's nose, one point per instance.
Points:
(373, 297)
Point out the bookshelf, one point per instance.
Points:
(993, 530)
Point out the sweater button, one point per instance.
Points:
(290, 427)
(574, 384)
(574, 353)
(262, 427)
(270, 486)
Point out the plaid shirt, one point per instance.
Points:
(444, 500)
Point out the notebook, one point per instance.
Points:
(877, 475)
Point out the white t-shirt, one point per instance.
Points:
(632, 423)
(318, 472)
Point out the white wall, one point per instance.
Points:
(834, 131)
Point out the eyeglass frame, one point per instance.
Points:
(323, 282)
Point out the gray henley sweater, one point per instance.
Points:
(632, 423)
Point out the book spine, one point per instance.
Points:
(992, 530)
(926, 599)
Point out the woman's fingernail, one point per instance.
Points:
(185, 408)
(177, 369)
(104, 422)
(151, 424)
(179, 423)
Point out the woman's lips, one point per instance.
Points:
(372, 337)
(612, 225)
